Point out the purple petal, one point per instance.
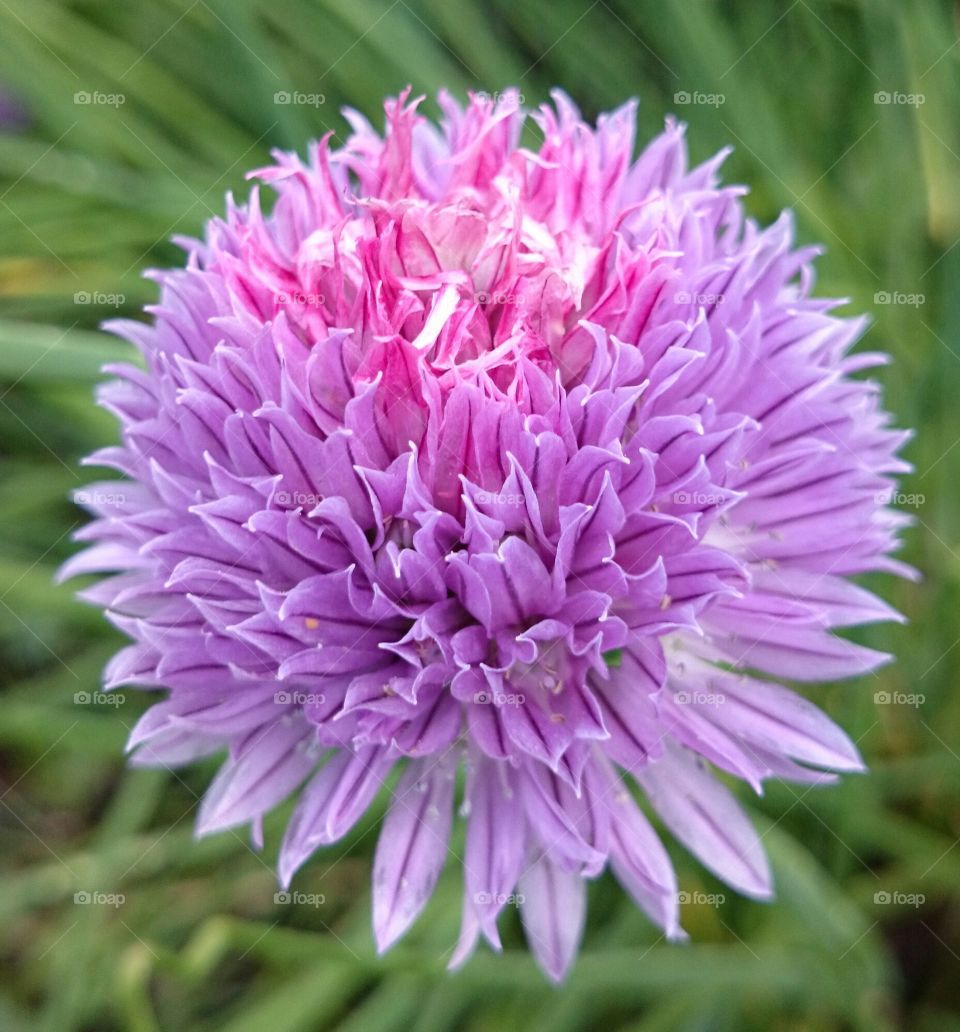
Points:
(706, 818)
(496, 843)
(270, 767)
(412, 847)
(554, 912)
(331, 804)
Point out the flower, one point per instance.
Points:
(522, 464)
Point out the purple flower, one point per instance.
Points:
(521, 464)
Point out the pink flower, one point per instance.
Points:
(521, 463)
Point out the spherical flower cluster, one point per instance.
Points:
(520, 472)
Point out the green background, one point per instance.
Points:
(88, 196)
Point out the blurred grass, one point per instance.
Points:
(89, 195)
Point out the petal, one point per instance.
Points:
(265, 773)
(706, 818)
(785, 650)
(555, 822)
(638, 853)
(782, 722)
(496, 843)
(333, 801)
(412, 847)
(554, 912)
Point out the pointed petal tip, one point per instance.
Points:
(557, 977)
(286, 869)
(209, 824)
(556, 968)
(757, 883)
(848, 762)
(764, 894)
(388, 933)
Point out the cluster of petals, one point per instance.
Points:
(507, 474)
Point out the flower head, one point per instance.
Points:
(536, 465)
